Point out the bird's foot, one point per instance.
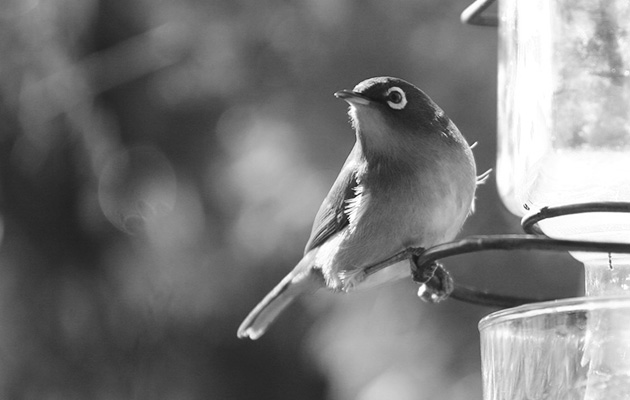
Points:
(435, 282)
(407, 254)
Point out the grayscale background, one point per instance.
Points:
(161, 162)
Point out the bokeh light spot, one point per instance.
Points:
(136, 186)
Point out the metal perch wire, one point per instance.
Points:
(437, 284)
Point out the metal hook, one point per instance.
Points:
(530, 221)
(473, 14)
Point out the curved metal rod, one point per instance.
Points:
(473, 14)
(428, 259)
(530, 222)
(487, 299)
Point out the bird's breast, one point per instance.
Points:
(419, 207)
(396, 208)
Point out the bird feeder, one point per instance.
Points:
(564, 156)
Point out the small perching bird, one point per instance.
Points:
(409, 182)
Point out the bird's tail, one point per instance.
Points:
(303, 279)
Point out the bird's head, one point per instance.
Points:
(389, 111)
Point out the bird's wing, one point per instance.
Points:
(332, 216)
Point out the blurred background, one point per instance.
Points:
(161, 162)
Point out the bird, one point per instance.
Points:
(408, 182)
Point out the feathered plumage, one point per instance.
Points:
(409, 181)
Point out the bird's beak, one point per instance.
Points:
(353, 97)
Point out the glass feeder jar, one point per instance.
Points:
(564, 120)
(564, 138)
(565, 350)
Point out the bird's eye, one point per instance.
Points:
(396, 98)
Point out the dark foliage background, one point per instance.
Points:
(160, 165)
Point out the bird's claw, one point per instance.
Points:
(435, 282)
(410, 253)
(416, 252)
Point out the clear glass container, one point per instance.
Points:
(564, 114)
(564, 138)
(575, 349)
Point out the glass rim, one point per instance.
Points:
(554, 306)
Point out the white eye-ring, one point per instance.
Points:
(396, 98)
